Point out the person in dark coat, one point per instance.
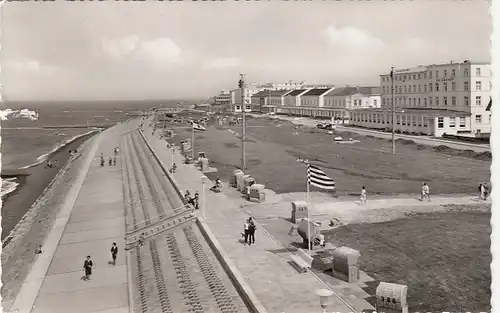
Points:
(251, 231)
(87, 267)
(114, 252)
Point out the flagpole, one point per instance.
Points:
(308, 219)
(192, 141)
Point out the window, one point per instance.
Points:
(425, 75)
(414, 88)
(375, 102)
(478, 71)
(445, 100)
(409, 77)
(445, 73)
(414, 101)
(430, 87)
(425, 121)
(440, 122)
(403, 122)
(437, 86)
(466, 72)
(425, 88)
(478, 86)
(400, 89)
(466, 100)
(437, 100)
(430, 74)
(414, 120)
(418, 101)
(383, 101)
(466, 86)
(414, 76)
(445, 86)
(420, 121)
(462, 121)
(453, 86)
(453, 100)
(437, 74)
(452, 122)
(453, 73)
(478, 119)
(419, 88)
(478, 100)
(397, 119)
(418, 76)
(425, 101)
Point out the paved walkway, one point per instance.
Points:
(91, 219)
(276, 284)
(426, 140)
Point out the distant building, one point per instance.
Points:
(290, 85)
(314, 97)
(223, 99)
(236, 105)
(292, 99)
(442, 93)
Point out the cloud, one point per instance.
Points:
(160, 51)
(119, 48)
(221, 63)
(350, 37)
(27, 65)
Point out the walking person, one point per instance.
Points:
(114, 252)
(251, 231)
(486, 191)
(425, 192)
(196, 200)
(110, 161)
(482, 192)
(114, 160)
(246, 230)
(363, 194)
(87, 267)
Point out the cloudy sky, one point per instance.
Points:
(137, 50)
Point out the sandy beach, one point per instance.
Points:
(41, 194)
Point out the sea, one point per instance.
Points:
(26, 141)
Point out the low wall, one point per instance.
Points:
(234, 275)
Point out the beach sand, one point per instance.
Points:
(38, 210)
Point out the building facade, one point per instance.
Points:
(223, 99)
(314, 97)
(236, 105)
(292, 99)
(452, 87)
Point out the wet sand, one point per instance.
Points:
(18, 254)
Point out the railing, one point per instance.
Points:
(158, 218)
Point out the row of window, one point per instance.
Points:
(452, 122)
(382, 118)
(424, 75)
(335, 102)
(417, 102)
(419, 89)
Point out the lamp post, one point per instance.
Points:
(241, 84)
(173, 153)
(203, 197)
(324, 298)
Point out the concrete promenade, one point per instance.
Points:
(91, 219)
(265, 268)
(425, 140)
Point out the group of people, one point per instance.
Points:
(194, 201)
(249, 231)
(88, 264)
(484, 191)
(218, 186)
(111, 160)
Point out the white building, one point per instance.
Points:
(314, 97)
(452, 89)
(292, 99)
(236, 105)
(290, 85)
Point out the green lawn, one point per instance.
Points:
(444, 258)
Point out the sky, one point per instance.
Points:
(172, 50)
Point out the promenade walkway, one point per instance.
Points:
(91, 219)
(275, 283)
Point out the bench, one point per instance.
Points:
(302, 260)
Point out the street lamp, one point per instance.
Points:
(324, 298)
(203, 181)
(173, 153)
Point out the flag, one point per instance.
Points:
(318, 178)
(488, 108)
(197, 126)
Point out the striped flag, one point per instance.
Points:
(318, 178)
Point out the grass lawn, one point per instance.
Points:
(273, 147)
(444, 258)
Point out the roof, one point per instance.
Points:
(433, 112)
(260, 94)
(351, 90)
(296, 92)
(270, 93)
(316, 92)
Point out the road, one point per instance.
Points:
(417, 139)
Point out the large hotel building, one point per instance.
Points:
(434, 100)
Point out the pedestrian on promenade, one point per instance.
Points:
(87, 267)
(197, 200)
(425, 192)
(246, 230)
(482, 192)
(114, 252)
(251, 231)
(110, 161)
(363, 194)
(39, 250)
(486, 191)
(114, 160)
